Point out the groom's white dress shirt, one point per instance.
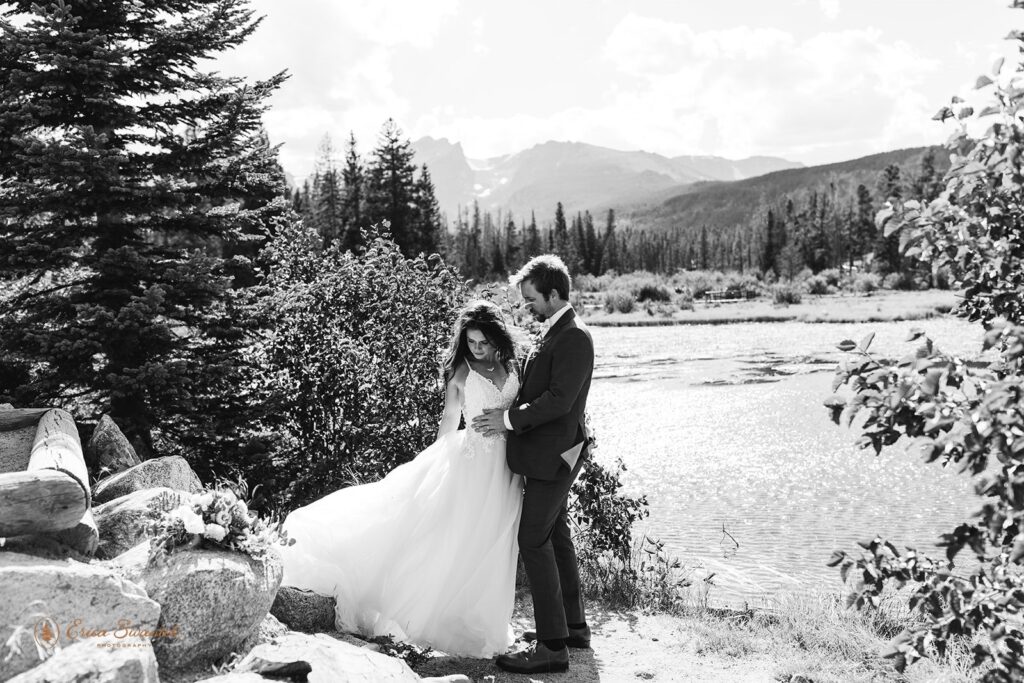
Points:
(546, 325)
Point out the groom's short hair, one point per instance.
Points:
(548, 273)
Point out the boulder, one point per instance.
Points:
(96, 662)
(268, 630)
(304, 610)
(322, 659)
(215, 598)
(123, 521)
(172, 472)
(69, 600)
(108, 449)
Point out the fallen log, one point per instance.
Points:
(41, 501)
(16, 418)
(52, 495)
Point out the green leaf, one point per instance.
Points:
(883, 216)
(915, 334)
(943, 114)
(838, 381)
(846, 345)
(865, 343)
(998, 66)
(930, 385)
(836, 558)
(896, 646)
(1017, 554)
(982, 81)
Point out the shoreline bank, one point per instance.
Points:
(886, 306)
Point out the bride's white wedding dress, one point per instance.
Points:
(428, 553)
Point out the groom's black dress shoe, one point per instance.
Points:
(538, 659)
(578, 637)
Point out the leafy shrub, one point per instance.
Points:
(898, 280)
(866, 283)
(697, 282)
(684, 300)
(816, 285)
(832, 276)
(586, 283)
(646, 578)
(619, 301)
(741, 286)
(657, 293)
(350, 367)
(959, 415)
(786, 294)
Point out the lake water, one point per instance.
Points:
(723, 428)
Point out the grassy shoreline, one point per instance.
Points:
(882, 306)
(807, 637)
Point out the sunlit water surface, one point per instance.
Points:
(722, 428)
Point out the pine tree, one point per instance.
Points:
(327, 202)
(533, 239)
(887, 249)
(390, 188)
(928, 184)
(352, 197)
(591, 247)
(559, 242)
(126, 174)
(513, 246)
(864, 230)
(427, 225)
(609, 245)
(705, 254)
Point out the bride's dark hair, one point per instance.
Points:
(486, 318)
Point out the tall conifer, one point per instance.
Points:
(127, 175)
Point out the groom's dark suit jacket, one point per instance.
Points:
(547, 416)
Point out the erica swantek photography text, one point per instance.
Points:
(125, 633)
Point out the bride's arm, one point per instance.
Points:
(452, 402)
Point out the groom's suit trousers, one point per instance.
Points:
(545, 544)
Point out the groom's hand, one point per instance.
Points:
(491, 422)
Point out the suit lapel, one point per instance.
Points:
(559, 325)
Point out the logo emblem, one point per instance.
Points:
(46, 634)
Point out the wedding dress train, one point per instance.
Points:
(427, 554)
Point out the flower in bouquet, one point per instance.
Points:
(216, 518)
(191, 519)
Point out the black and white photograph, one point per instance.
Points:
(450, 341)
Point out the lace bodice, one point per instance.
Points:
(481, 393)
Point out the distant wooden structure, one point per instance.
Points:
(49, 494)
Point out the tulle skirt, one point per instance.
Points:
(428, 554)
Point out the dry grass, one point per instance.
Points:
(882, 306)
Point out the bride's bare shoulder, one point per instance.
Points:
(461, 372)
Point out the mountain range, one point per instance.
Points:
(727, 204)
(581, 176)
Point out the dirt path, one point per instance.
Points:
(630, 647)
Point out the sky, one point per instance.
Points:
(813, 81)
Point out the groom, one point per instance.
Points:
(547, 446)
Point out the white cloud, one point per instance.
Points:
(645, 46)
(392, 22)
(830, 8)
(744, 90)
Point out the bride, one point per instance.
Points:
(428, 553)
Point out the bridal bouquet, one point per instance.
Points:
(215, 518)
